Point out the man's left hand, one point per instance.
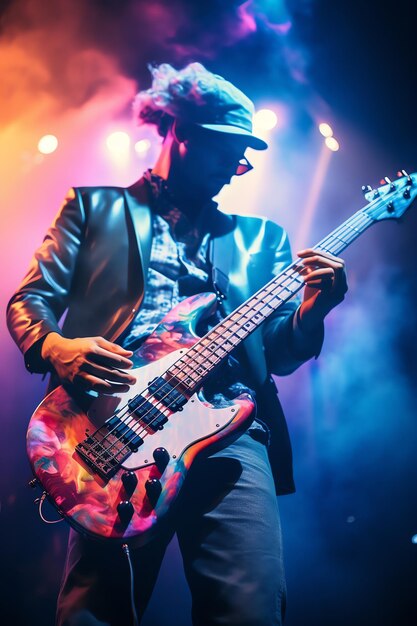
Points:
(326, 285)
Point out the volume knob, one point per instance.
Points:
(125, 511)
(153, 489)
(161, 457)
(129, 480)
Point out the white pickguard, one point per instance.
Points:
(196, 421)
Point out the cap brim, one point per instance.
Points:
(254, 142)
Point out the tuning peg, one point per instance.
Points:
(406, 193)
(389, 182)
(366, 189)
(404, 173)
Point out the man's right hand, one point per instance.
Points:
(91, 362)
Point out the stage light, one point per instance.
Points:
(265, 119)
(47, 144)
(414, 539)
(142, 146)
(332, 144)
(325, 129)
(118, 142)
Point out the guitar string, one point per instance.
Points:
(140, 430)
(348, 225)
(294, 267)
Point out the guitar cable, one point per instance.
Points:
(39, 502)
(126, 551)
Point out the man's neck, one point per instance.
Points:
(183, 198)
(187, 198)
(192, 205)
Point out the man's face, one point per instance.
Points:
(208, 159)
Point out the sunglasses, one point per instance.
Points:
(243, 167)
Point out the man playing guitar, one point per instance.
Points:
(117, 261)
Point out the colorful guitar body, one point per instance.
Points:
(138, 494)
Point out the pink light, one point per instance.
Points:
(247, 16)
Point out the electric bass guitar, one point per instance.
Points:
(113, 466)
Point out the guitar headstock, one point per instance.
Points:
(391, 200)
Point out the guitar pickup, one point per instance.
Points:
(166, 393)
(120, 430)
(147, 413)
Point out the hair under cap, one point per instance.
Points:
(195, 95)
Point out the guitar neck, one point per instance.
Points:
(200, 360)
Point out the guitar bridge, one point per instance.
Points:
(105, 450)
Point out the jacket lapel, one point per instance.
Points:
(137, 202)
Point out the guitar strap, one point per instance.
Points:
(220, 256)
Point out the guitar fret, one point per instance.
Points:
(352, 228)
(284, 288)
(210, 350)
(290, 281)
(199, 360)
(221, 351)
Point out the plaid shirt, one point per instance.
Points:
(178, 264)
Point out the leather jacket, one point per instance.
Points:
(92, 267)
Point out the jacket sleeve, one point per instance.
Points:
(286, 345)
(42, 297)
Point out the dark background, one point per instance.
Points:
(348, 531)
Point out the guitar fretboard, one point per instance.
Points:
(200, 360)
